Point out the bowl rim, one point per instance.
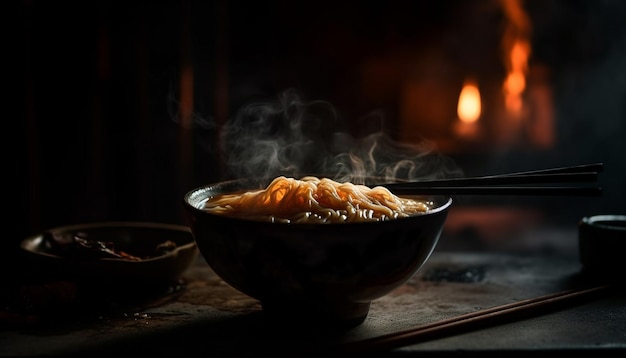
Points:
(446, 202)
(606, 222)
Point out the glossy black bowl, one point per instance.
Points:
(313, 273)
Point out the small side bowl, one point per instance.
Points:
(601, 245)
(52, 258)
(312, 273)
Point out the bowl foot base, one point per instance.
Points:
(341, 316)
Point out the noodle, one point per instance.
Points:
(315, 200)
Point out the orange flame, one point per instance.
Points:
(515, 82)
(517, 51)
(469, 107)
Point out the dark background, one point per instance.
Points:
(120, 103)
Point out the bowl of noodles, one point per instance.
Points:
(314, 249)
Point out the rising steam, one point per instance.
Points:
(292, 137)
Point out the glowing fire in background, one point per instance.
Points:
(469, 107)
(525, 115)
(510, 126)
(468, 110)
(516, 51)
(515, 82)
(506, 102)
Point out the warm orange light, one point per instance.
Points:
(515, 82)
(519, 55)
(469, 107)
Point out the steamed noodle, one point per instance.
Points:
(315, 200)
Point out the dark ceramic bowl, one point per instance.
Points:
(326, 273)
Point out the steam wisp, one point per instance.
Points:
(293, 137)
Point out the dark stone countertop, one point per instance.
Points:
(203, 315)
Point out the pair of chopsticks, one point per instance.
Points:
(501, 184)
(475, 320)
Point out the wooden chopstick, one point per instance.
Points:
(466, 322)
(500, 190)
(500, 180)
(493, 184)
(593, 167)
